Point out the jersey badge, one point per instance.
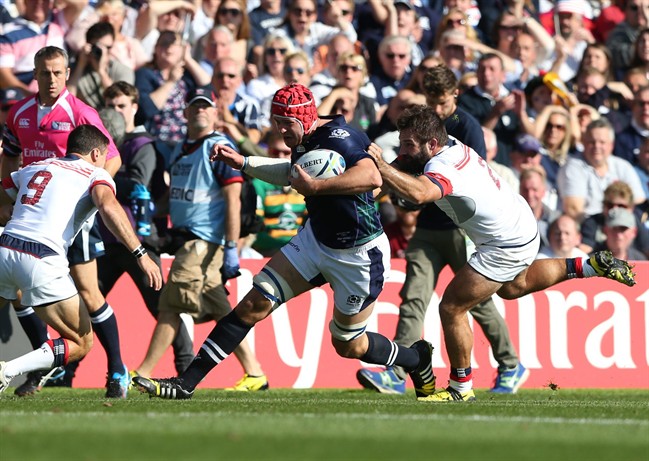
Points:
(339, 133)
(62, 126)
(23, 123)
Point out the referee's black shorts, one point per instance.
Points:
(87, 245)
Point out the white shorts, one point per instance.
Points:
(504, 264)
(356, 275)
(42, 281)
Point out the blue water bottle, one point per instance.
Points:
(141, 209)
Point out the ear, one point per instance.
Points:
(67, 74)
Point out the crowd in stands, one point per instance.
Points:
(561, 88)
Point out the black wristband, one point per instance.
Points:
(139, 252)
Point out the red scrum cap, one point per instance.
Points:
(296, 101)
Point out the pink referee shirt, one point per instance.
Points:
(35, 142)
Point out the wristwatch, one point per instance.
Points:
(230, 244)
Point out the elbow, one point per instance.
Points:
(375, 180)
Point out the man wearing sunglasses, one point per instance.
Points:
(394, 71)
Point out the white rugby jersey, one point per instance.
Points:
(53, 199)
(478, 200)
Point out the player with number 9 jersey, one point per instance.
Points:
(38, 189)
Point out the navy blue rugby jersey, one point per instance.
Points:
(341, 221)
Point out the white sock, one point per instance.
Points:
(466, 386)
(38, 359)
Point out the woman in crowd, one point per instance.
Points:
(233, 15)
(164, 84)
(127, 50)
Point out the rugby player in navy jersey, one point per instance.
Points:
(342, 244)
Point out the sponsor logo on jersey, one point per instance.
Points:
(339, 133)
(178, 193)
(23, 123)
(62, 126)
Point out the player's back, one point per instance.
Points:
(478, 200)
(53, 200)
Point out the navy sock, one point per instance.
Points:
(104, 324)
(222, 340)
(34, 327)
(382, 351)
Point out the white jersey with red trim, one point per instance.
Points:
(478, 200)
(53, 199)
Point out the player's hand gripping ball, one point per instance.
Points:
(321, 164)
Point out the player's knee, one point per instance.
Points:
(344, 338)
(273, 286)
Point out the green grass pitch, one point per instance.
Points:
(325, 424)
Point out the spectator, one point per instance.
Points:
(346, 98)
(628, 141)
(641, 51)
(564, 238)
(617, 195)
(203, 20)
(621, 40)
(620, 229)
(264, 19)
(233, 15)
(164, 84)
(306, 33)
(297, 69)
(593, 89)
(505, 172)
(126, 49)
(37, 27)
(96, 68)
(492, 104)
(323, 82)
(554, 128)
(533, 188)
(235, 107)
(216, 44)
(572, 39)
(394, 72)
(642, 168)
(157, 17)
(262, 88)
(582, 180)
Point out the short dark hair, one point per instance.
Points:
(425, 124)
(439, 80)
(50, 52)
(99, 30)
(85, 138)
(122, 88)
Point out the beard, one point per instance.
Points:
(413, 164)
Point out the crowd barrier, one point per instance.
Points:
(587, 333)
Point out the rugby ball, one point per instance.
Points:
(321, 164)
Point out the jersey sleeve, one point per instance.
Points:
(100, 177)
(10, 186)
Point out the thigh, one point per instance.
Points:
(467, 289)
(357, 276)
(68, 317)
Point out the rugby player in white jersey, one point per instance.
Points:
(34, 244)
(495, 217)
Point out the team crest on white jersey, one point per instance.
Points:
(339, 133)
(23, 123)
(62, 126)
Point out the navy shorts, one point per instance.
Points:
(87, 245)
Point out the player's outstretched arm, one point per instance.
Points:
(118, 224)
(227, 155)
(362, 177)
